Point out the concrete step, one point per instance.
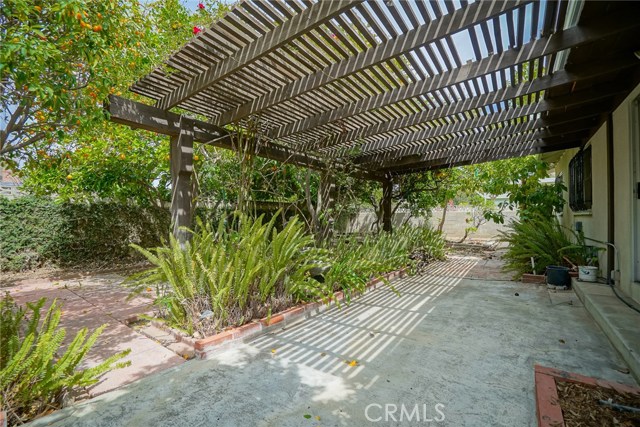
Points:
(619, 322)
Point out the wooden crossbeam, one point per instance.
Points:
(475, 123)
(141, 116)
(526, 149)
(429, 32)
(300, 24)
(570, 38)
(538, 138)
(534, 130)
(570, 75)
(388, 147)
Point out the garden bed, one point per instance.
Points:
(568, 399)
(205, 346)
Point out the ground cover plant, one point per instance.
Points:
(247, 268)
(37, 370)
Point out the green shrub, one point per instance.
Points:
(542, 238)
(354, 262)
(231, 274)
(35, 374)
(249, 269)
(38, 231)
(430, 242)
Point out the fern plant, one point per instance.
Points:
(35, 373)
(232, 273)
(246, 268)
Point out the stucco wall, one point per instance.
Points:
(624, 195)
(595, 221)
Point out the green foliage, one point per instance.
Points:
(37, 231)
(53, 130)
(37, 369)
(580, 253)
(519, 178)
(354, 262)
(236, 272)
(107, 162)
(246, 269)
(540, 237)
(430, 243)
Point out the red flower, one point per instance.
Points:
(196, 30)
(200, 6)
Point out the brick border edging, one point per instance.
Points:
(538, 279)
(206, 345)
(548, 408)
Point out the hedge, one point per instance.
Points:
(37, 231)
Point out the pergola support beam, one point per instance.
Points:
(425, 145)
(489, 156)
(181, 154)
(532, 130)
(147, 117)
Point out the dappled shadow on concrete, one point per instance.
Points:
(469, 345)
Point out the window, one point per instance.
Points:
(580, 181)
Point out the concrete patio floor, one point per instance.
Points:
(453, 339)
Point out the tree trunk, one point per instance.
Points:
(387, 188)
(444, 217)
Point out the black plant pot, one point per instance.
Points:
(558, 276)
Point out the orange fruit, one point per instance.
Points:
(37, 8)
(122, 156)
(97, 28)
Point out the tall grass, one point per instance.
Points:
(355, 262)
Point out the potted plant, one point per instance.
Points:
(584, 256)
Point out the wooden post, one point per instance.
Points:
(387, 189)
(181, 188)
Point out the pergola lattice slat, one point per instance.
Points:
(310, 18)
(560, 78)
(420, 36)
(570, 38)
(391, 85)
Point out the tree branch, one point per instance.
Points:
(35, 138)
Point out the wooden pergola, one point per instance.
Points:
(383, 88)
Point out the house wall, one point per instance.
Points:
(595, 221)
(623, 153)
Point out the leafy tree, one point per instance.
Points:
(58, 62)
(520, 179)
